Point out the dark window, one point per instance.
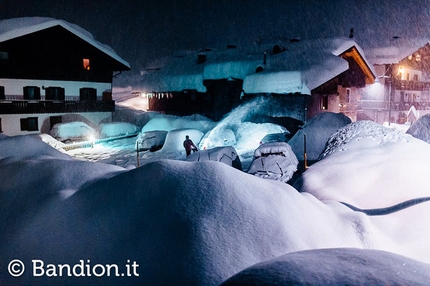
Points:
(54, 120)
(1, 128)
(54, 93)
(31, 92)
(347, 95)
(87, 93)
(4, 55)
(415, 77)
(107, 95)
(29, 124)
(201, 58)
(2, 96)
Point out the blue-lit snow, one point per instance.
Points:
(199, 223)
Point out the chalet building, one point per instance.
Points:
(402, 89)
(52, 71)
(298, 80)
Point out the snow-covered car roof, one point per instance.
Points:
(17, 27)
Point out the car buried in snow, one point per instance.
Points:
(276, 137)
(275, 161)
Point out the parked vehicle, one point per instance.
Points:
(276, 137)
(151, 140)
(275, 161)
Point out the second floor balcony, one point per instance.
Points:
(52, 106)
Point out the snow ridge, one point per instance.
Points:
(359, 130)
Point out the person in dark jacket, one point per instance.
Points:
(189, 145)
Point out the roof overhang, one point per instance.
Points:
(357, 57)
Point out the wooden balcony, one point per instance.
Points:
(51, 106)
(411, 85)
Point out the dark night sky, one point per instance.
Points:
(142, 30)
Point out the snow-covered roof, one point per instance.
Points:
(304, 66)
(300, 68)
(17, 27)
(395, 51)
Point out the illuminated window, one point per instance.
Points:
(324, 102)
(418, 57)
(86, 63)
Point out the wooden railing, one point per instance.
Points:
(50, 106)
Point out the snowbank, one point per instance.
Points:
(342, 266)
(181, 226)
(358, 166)
(317, 130)
(17, 148)
(199, 223)
(421, 128)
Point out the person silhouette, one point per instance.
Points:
(189, 145)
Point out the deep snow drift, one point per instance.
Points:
(199, 223)
(339, 266)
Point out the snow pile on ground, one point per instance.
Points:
(199, 223)
(317, 130)
(73, 131)
(360, 134)
(183, 223)
(341, 266)
(226, 155)
(421, 128)
(114, 129)
(48, 139)
(20, 147)
(275, 161)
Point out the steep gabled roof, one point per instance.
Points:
(18, 27)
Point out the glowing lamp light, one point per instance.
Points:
(400, 71)
(92, 139)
